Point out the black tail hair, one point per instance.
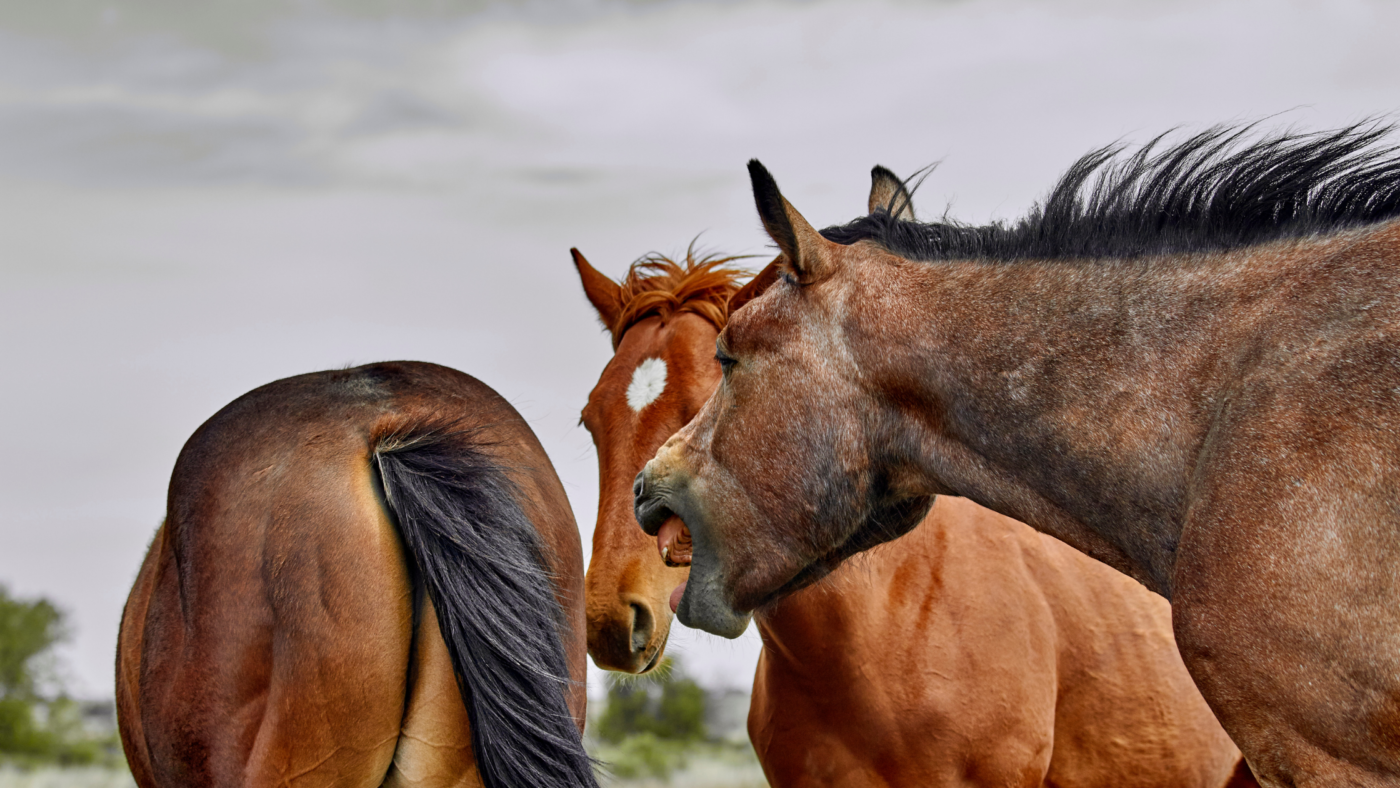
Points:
(482, 563)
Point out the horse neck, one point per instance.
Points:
(838, 628)
(1077, 395)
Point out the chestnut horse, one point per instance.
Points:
(1014, 661)
(365, 577)
(1185, 363)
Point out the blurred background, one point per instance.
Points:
(198, 198)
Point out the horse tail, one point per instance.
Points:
(482, 562)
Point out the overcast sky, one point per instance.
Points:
(196, 199)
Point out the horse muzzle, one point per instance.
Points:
(662, 495)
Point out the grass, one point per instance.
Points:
(632, 764)
(644, 761)
(65, 777)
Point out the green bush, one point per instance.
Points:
(645, 755)
(680, 715)
(28, 629)
(38, 723)
(664, 704)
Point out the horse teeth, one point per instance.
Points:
(666, 553)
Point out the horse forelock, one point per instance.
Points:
(658, 286)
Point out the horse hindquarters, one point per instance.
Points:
(270, 637)
(130, 637)
(266, 639)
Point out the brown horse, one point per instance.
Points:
(365, 577)
(1188, 369)
(973, 651)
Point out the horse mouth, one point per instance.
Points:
(674, 543)
(654, 660)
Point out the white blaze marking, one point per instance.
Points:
(648, 381)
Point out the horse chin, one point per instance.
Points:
(702, 606)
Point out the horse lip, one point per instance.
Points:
(655, 659)
(651, 512)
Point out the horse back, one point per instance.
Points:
(271, 634)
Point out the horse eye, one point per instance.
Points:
(725, 362)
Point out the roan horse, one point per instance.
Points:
(1185, 363)
(365, 577)
(972, 651)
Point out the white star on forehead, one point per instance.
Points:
(648, 381)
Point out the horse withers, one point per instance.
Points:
(365, 577)
(972, 651)
(1185, 363)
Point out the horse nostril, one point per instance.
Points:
(639, 485)
(641, 628)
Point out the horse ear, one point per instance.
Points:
(755, 286)
(603, 293)
(808, 256)
(887, 191)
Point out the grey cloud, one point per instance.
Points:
(120, 145)
(391, 111)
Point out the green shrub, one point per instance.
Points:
(645, 755)
(38, 723)
(664, 704)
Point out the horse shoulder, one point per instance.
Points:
(1126, 706)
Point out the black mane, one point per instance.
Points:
(1211, 192)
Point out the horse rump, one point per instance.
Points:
(481, 561)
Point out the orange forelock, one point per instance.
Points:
(657, 285)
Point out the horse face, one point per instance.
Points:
(789, 468)
(658, 378)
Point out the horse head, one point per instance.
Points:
(792, 466)
(663, 318)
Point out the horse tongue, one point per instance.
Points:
(676, 597)
(673, 542)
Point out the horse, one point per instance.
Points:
(1183, 363)
(365, 577)
(972, 651)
